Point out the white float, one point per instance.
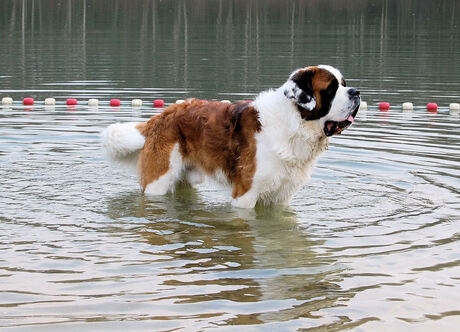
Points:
(136, 102)
(226, 101)
(7, 101)
(93, 102)
(50, 101)
(179, 101)
(454, 108)
(363, 105)
(408, 107)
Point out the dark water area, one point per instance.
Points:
(370, 243)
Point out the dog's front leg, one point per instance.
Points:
(247, 201)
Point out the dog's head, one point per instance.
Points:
(320, 93)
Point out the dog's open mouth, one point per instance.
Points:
(336, 127)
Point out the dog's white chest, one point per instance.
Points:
(283, 168)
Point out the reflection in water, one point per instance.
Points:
(216, 253)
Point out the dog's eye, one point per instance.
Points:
(331, 89)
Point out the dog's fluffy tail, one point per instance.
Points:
(122, 141)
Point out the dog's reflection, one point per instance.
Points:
(232, 254)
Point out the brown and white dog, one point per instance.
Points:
(264, 149)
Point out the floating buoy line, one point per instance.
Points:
(454, 108)
(7, 101)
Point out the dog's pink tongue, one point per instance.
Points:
(351, 119)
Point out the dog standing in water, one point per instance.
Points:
(264, 149)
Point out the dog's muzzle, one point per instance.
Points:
(336, 127)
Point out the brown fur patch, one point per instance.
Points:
(320, 81)
(212, 136)
(154, 156)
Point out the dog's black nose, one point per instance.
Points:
(353, 92)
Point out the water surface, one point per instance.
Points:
(370, 243)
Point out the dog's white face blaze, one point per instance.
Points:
(343, 104)
(334, 71)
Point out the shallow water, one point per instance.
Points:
(371, 243)
(371, 240)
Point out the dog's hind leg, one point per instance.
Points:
(160, 170)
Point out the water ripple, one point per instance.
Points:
(371, 239)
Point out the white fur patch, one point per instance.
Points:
(195, 176)
(341, 107)
(120, 140)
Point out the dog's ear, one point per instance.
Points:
(299, 88)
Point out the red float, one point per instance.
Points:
(384, 106)
(115, 102)
(432, 107)
(71, 101)
(158, 103)
(28, 101)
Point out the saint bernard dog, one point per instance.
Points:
(264, 149)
